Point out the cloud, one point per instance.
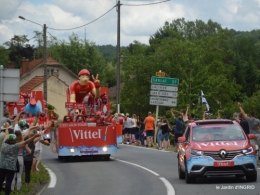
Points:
(137, 22)
(8, 8)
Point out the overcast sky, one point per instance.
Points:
(137, 22)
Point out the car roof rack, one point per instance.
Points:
(214, 121)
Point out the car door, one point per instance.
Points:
(184, 146)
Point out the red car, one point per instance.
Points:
(216, 148)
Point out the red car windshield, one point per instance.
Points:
(222, 133)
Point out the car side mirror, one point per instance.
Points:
(181, 139)
(251, 136)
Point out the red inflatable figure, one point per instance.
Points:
(78, 90)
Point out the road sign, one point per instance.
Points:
(163, 93)
(164, 87)
(163, 101)
(164, 81)
(10, 87)
(160, 74)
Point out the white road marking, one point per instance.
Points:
(147, 148)
(53, 178)
(169, 187)
(156, 174)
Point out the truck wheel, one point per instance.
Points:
(66, 158)
(106, 157)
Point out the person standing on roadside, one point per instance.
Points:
(254, 125)
(127, 129)
(149, 122)
(165, 128)
(5, 118)
(243, 123)
(134, 128)
(178, 129)
(8, 159)
(159, 133)
(140, 124)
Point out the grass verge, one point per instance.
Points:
(38, 180)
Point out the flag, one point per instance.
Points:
(203, 100)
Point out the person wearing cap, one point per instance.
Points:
(79, 89)
(99, 118)
(8, 158)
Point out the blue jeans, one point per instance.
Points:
(159, 134)
(141, 137)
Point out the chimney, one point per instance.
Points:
(25, 66)
(56, 73)
(10, 65)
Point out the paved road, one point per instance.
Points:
(117, 176)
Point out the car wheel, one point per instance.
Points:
(188, 178)
(181, 173)
(251, 178)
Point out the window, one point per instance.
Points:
(187, 134)
(49, 72)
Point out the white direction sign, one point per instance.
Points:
(164, 87)
(163, 101)
(164, 93)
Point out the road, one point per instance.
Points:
(135, 171)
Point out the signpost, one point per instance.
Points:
(164, 92)
(164, 81)
(160, 74)
(164, 87)
(163, 101)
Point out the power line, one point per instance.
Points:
(87, 23)
(145, 3)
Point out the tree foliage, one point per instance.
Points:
(19, 49)
(204, 56)
(77, 54)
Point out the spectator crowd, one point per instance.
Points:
(20, 150)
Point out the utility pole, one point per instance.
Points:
(118, 60)
(45, 63)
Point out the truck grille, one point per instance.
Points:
(229, 155)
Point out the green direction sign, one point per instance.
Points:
(164, 81)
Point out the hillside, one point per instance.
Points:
(108, 51)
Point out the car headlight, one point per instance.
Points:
(248, 150)
(104, 149)
(72, 150)
(196, 152)
(47, 135)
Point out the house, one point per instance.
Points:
(58, 80)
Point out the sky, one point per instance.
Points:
(139, 21)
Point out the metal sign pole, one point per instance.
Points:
(156, 128)
(1, 91)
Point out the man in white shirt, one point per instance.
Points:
(38, 150)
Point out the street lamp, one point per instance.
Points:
(118, 60)
(44, 56)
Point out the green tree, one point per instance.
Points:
(19, 49)
(78, 54)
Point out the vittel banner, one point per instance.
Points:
(73, 134)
